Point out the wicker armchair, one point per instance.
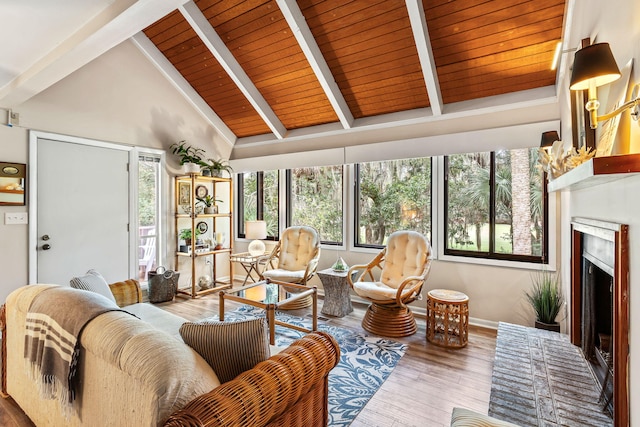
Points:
(288, 389)
(405, 264)
(293, 260)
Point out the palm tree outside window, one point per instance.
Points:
(495, 205)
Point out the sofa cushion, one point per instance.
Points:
(94, 282)
(230, 348)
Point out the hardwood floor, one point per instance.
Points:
(428, 382)
(422, 390)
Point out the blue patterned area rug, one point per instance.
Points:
(365, 362)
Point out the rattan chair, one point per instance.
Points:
(404, 265)
(294, 260)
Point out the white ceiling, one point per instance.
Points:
(32, 28)
(44, 40)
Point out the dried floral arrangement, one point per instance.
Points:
(557, 161)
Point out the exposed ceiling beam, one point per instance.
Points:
(501, 105)
(150, 50)
(216, 46)
(425, 53)
(307, 42)
(119, 21)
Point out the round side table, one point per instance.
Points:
(447, 318)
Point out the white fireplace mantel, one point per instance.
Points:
(596, 171)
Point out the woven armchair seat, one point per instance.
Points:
(294, 260)
(403, 268)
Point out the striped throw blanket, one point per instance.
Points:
(54, 323)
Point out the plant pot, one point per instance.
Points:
(189, 168)
(554, 327)
(211, 210)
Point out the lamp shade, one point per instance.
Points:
(255, 229)
(595, 64)
(548, 138)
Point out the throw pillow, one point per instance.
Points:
(230, 348)
(94, 282)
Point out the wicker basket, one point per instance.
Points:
(162, 285)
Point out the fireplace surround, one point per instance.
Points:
(600, 306)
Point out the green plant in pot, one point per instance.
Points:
(209, 204)
(190, 157)
(546, 299)
(216, 167)
(185, 234)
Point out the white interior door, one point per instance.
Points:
(82, 211)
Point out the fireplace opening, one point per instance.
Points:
(597, 327)
(600, 307)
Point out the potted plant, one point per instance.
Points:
(185, 234)
(190, 157)
(209, 204)
(216, 167)
(546, 299)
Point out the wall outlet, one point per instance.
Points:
(11, 218)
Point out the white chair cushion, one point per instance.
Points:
(461, 417)
(377, 291)
(405, 256)
(298, 246)
(284, 275)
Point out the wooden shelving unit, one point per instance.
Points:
(190, 215)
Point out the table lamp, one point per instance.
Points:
(256, 230)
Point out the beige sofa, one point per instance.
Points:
(134, 374)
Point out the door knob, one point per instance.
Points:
(45, 237)
(46, 247)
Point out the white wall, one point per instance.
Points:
(616, 23)
(119, 97)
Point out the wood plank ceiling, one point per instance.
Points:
(368, 50)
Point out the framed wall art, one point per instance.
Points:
(13, 184)
(184, 193)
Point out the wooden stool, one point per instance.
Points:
(447, 318)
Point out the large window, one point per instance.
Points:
(315, 199)
(148, 213)
(495, 205)
(259, 200)
(391, 196)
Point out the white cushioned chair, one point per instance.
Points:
(294, 260)
(405, 264)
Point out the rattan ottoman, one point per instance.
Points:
(447, 318)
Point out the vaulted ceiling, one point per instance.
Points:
(260, 70)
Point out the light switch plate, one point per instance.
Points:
(11, 218)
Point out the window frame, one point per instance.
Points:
(355, 245)
(289, 208)
(159, 157)
(259, 203)
(536, 260)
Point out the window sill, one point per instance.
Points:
(496, 262)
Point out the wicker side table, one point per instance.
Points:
(447, 318)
